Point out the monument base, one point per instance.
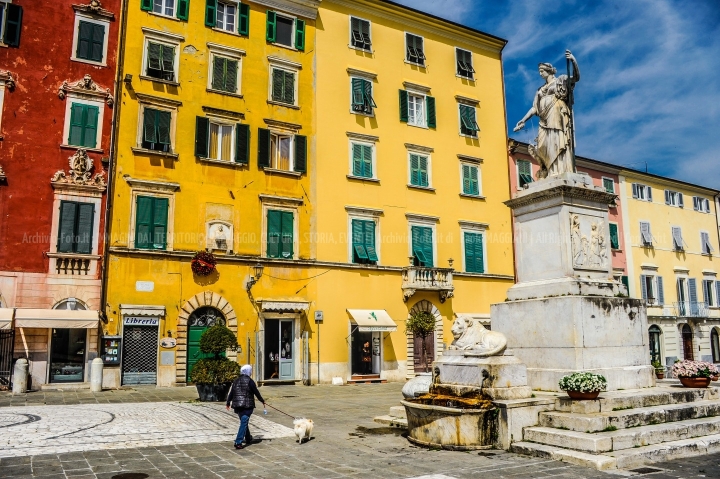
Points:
(566, 287)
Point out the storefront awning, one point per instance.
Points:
(6, 316)
(292, 306)
(372, 320)
(56, 318)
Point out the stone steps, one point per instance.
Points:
(620, 400)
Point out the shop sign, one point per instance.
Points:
(318, 316)
(141, 321)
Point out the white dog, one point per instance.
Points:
(303, 429)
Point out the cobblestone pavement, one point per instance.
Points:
(346, 444)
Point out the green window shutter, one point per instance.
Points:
(278, 79)
(66, 234)
(143, 222)
(358, 102)
(77, 126)
(369, 241)
(289, 88)
(367, 97)
(300, 153)
(274, 220)
(403, 106)
(168, 59)
(430, 107)
(471, 184)
(357, 159)
(85, 32)
(149, 131)
(423, 171)
(244, 19)
(524, 172)
(428, 246)
(97, 42)
(626, 281)
(13, 24)
(422, 245)
(242, 143)
(146, 5)
(300, 34)
(263, 148)
(474, 262)
(210, 13)
(154, 55)
(163, 127)
(183, 8)
(85, 217)
(358, 242)
(218, 72)
(614, 238)
(202, 136)
(367, 161)
(231, 69)
(414, 169)
(91, 126)
(160, 217)
(271, 29)
(466, 179)
(286, 241)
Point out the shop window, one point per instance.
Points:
(474, 252)
(75, 233)
(422, 246)
(151, 221)
(280, 234)
(67, 355)
(687, 342)
(363, 242)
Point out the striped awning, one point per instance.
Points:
(285, 306)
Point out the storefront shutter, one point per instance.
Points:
(183, 8)
(91, 126)
(244, 19)
(430, 104)
(77, 116)
(13, 25)
(149, 131)
(66, 234)
(300, 34)
(287, 234)
(160, 217)
(369, 233)
(358, 241)
(242, 143)
(614, 239)
(143, 220)
(218, 73)
(300, 153)
(163, 127)
(202, 136)
(146, 5)
(231, 68)
(403, 106)
(273, 233)
(98, 42)
(85, 33)
(263, 148)
(210, 13)
(661, 291)
(271, 29)
(85, 217)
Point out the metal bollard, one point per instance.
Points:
(96, 375)
(20, 376)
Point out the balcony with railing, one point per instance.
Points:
(420, 278)
(692, 309)
(73, 264)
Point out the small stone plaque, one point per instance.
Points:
(167, 358)
(144, 286)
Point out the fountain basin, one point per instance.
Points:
(451, 428)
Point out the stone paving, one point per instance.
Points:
(346, 444)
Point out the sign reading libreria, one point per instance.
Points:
(141, 321)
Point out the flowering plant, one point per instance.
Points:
(203, 263)
(583, 382)
(694, 369)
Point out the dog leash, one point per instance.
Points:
(281, 412)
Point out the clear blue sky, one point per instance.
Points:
(650, 86)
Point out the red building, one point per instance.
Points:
(57, 76)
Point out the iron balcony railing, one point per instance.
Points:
(691, 309)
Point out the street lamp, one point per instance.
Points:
(258, 270)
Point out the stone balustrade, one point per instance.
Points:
(419, 278)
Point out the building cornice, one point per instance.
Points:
(161, 35)
(419, 148)
(416, 87)
(85, 88)
(467, 100)
(361, 73)
(233, 115)
(303, 8)
(470, 159)
(281, 200)
(422, 218)
(567, 192)
(154, 185)
(94, 9)
(362, 137)
(284, 62)
(157, 100)
(363, 210)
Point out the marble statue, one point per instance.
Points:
(469, 335)
(554, 148)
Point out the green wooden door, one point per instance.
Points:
(194, 353)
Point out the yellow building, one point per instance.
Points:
(215, 143)
(671, 232)
(411, 169)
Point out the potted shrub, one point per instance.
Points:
(214, 375)
(583, 385)
(659, 369)
(694, 374)
(422, 324)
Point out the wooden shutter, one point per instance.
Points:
(278, 78)
(717, 292)
(649, 193)
(423, 170)
(271, 29)
(85, 218)
(466, 179)
(242, 143)
(614, 239)
(154, 56)
(149, 131)
(163, 127)
(286, 231)
(146, 5)
(367, 97)
(414, 169)
(692, 290)
(300, 153)
(358, 241)
(168, 60)
(274, 220)
(143, 222)
(289, 88)
(183, 8)
(661, 290)
(358, 102)
(403, 106)
(471, 256)
(202, 136)
(369, 240)
(231, 74)
(263, 148)
(300, 34)
(91, 126)
(427, 243)
(218, 73)
(77, 126)
(417, 249)
(643, 287)
(97, 42)
(635, 190)
(357, 159)
(210, 13)
(677, 237)
(84, 42)
(367, 161)
(681, 200)
(159, 225)
(645, 235)
(430, 108)
(66, 233)
(667, 197)
(244, 19)
(13, 24)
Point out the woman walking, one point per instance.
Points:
(242, 396)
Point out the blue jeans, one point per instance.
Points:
(244, 431)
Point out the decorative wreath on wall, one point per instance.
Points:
(203, 263)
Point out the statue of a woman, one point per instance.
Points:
(554, 150)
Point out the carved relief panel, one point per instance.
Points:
(590, 245)
(220, 236)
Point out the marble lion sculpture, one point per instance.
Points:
(470, 335)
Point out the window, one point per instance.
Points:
(422, 246)
(75, 234)
(474, 252)
(609, 185)
(90, 40)
(464, 63)
(83, 129)
(468, 125)
(417, 109)
(652, 289)
(160, 61)
(678, 243)
(655, 333)
(156, 130)
(470, 179)
(414, 52)
(10, 23)
(286, 31)
(283, 86)
(217, 140)
(525, 177)
(715, 345)
(167, 7)
(281, 151)
(360, 34)
(642, 192)
(646, 238)
(280, 228)
(614, 236)
(673, 198)
(224, 74)
(709, 291)
(701, 204)
(362, 98)
(362, 160)
(226, 16)
(705, 244)
(151, 219)
(419, 170)
(363, 242)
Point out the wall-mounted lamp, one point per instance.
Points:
(128, 80)
(258, 272)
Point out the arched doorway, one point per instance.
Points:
(200, 320)
(715, 345)
(655, 333)
(424, 349)
(687, 342)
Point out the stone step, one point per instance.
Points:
(623, 438)
(633, 399)
(627, 418)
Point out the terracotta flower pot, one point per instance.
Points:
(695, 382)
(714, 378)
(659, 375)
(583, 396)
